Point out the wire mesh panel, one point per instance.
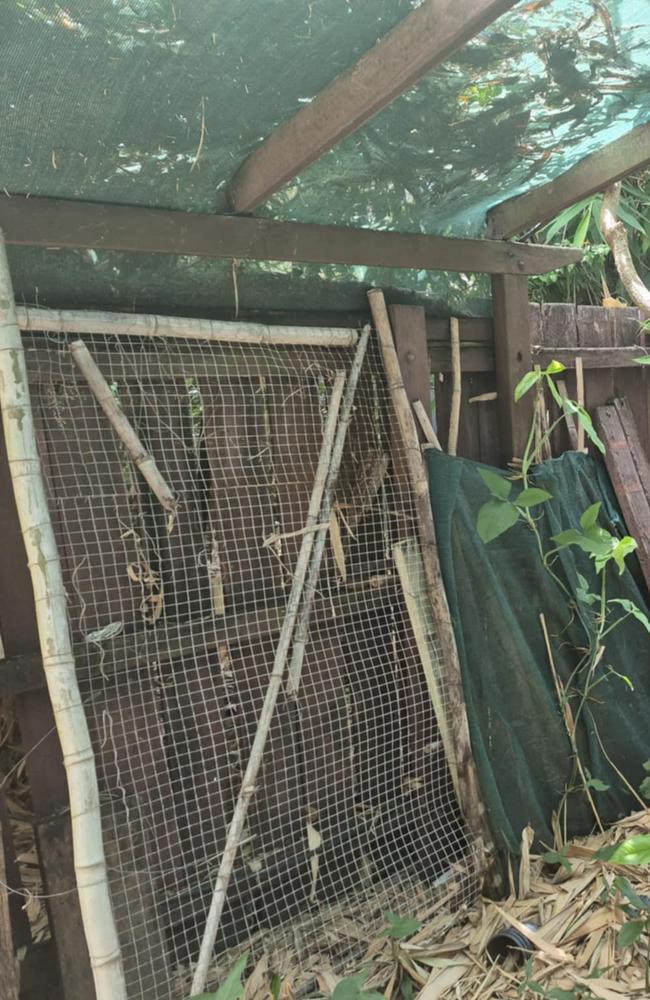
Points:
(175, 620)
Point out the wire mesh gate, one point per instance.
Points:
(174, 621)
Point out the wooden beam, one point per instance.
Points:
(512, 359)
(51, 223)
(592, 174)
(425, 38)
(410, 336)
(592, 357)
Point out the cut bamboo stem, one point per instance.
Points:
(76, 321)
(580, 399)
(247, 790)
(302, 626)
(426, 425)
(470, 801)
(568, 417)
(120, 423)
(56, 650)
(456, 386)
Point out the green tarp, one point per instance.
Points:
(496, 594)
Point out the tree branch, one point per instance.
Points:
(616, 235)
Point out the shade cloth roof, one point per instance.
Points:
(157, 102)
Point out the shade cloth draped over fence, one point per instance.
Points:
(496, 593)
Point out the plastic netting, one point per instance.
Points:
(157, 102)
(175, 623)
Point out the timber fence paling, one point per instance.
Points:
(56, 648)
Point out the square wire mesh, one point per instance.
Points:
(175, 624)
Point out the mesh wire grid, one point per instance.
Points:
(175, 623)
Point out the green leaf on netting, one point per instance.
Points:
(630, 932)
(554, 368)
(596, 784)
(531, 497)
(589, 428)
(631, 608)
(634, 851)
(400, 927)
(642, 361)
(590, 516)
(644, 788)
(232, 987)
(497, 485)
(583, 593)
(495, 517)
(527, 382)
(646, 766)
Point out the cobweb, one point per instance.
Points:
(175, 622)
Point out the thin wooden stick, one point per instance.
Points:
(302, 626)
(470, 801)
(8, 975)
(426, 425)
(456, 390)
(569, 419)
(75, 321)
(101, 390)
(580, 400)
(56, 650)
(264, 722)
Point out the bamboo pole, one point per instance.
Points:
(569, 419)
(302, 626)
(426, 425)
(120, 423)
(470, 800)
(456, 388)
(75, 321)
(580, 399)
(236, 826)
(58, 661)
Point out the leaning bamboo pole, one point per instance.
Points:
(56, 650)
(247, 790)
(121, 424)
(75, 321)
(302, 625)
(457, 386)
(470, 799)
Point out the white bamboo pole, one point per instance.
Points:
(454, 418)
(426, 425)
(247, 790)
(75, 321)
(302, 625)
(580, 399)
(56, 650)
(120, 423)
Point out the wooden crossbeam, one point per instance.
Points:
(47, 222)
(425, 38)
(592, 174)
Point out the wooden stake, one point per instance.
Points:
(569, 419)
(56, 650)
(426, 425)
(580, 399)
(302, 627)
(8, 976)
(247, 790)
(101, 390)
(470, 801)
(456, 389)
(76, 321)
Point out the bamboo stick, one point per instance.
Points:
(456, 389)
(302, 626)
(569, 419)
(470, 801)
(236, 826)
(58, 661)
(426, 425)
(8, 964)
(75, 321)
(121, 425)
(580, 399)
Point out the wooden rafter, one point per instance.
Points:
(76, 224)
(425, 38)
(592, 174)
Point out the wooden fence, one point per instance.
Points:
(607, 340)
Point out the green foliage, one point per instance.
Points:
(634, 851)
(644, 787)
(500, 513)
(232, 987)
(558, 858)
(630, 932)
(400, 927)
(351, 988)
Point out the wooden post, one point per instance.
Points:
(410, 334)
(512, 359)
(8, 976)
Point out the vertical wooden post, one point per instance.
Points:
(410, 335)
(512, 359)
(8, 977)
(44, 761)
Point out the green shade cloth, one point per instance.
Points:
(111, 100)
(496, 593)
